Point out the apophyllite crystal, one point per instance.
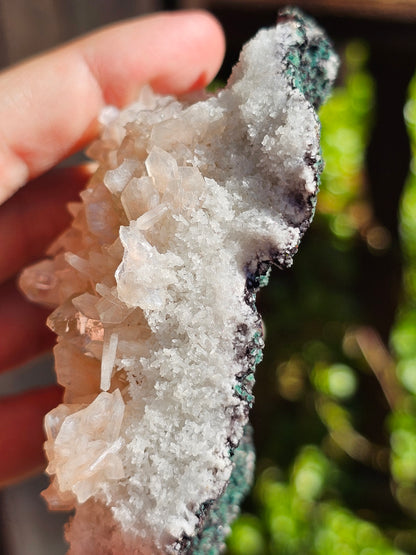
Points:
(154, 284)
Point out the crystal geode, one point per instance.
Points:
(154, 284)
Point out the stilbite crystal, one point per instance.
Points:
(154, 286)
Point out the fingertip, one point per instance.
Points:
(57, 97)
(173, 51)
(206, 41)
(200, 43)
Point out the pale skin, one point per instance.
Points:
(48, 110)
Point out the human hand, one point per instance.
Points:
(48, 110)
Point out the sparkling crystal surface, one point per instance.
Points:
(154, 286)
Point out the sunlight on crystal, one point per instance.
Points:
(92, 462)
(155, 288)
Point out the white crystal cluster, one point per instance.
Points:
(149, 285)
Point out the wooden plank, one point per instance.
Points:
(30, 27)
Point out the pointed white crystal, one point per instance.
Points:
(162, 166)
(90, 436)
(151, 217)
(139, 196)
(108, 360)
(78, 262)
(144, 273)
(170, 132)
(41, 284)
(77, 372)
(115, 180)
(87, 304)
(111, 310)
(108, 115)
(101, 216)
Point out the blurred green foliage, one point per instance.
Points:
(335, 419)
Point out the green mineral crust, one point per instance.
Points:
(154, 287)
(224, 510)
(307, 59)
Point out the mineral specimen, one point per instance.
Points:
(154, 284)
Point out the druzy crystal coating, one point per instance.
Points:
(154, 286)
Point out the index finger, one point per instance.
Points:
(49, 105)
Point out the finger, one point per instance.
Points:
(23, 333)
(49, 105)
(32, 218)
(21, 432)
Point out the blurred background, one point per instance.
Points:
(335, 418)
